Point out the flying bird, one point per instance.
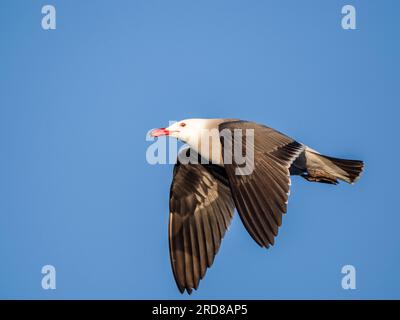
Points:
(204, 193)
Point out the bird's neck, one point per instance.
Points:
(207, 143)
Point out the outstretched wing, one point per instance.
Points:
(260, 196)
(201, 208)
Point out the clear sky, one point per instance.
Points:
(76, 103)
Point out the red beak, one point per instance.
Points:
(159, 132)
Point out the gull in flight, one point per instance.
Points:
(204, 193)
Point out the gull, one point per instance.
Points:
(204, 193)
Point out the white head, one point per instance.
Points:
(203, 135)
(192, 131)
(187, 130)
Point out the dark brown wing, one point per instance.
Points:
(201, 208)
(261, 196)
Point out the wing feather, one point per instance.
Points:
(261, 196)
(201, 208)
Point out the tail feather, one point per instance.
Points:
(321, 168)
(353, 168)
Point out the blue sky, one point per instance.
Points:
(76, 103)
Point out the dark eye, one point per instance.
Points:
(183, 124)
